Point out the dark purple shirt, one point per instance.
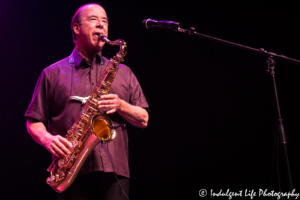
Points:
(51, 104)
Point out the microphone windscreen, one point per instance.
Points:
(145, 23)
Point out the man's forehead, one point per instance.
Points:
(93, 9)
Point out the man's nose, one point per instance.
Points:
(99, 24)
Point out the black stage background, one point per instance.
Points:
(212, 117)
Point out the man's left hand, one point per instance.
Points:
(109, 103)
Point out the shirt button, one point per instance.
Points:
(102, 150)
(92, 83)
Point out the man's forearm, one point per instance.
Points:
(135, 115)
(37, 130)
(56, 145)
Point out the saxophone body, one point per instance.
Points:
(89, 128)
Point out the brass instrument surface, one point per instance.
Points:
(89, 128)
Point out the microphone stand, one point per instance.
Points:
(271, 65)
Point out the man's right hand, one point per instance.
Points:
(55, 144)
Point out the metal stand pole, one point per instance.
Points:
(280, 129)
(271, 64)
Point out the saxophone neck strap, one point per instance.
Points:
(71, 60)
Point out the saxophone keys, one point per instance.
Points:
(56, 178)
(106, 84)
(94, 102)
(78, 133)
(49, 169)
(61, 162)
(50, 180)
(103, 91)
(93, 110)
(79, 125)
(70, 164)
(79, 144)
(61, 176)
(84, 118)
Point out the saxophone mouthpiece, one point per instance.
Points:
(103, 37)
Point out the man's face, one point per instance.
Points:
(93, 22)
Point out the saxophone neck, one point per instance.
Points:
(114, 43)
(123, 46)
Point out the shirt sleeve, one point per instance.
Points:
(137, 96)
(39, 106)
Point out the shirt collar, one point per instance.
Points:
(78, 59)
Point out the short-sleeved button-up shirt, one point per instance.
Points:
(73, 76)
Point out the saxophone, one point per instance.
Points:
(89, 128)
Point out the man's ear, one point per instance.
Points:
(76, 28)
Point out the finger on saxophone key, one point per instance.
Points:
(65, 145)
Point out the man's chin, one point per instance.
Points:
(96, 47)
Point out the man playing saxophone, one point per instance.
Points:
(105, 173)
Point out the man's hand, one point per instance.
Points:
(57, 145)
(135, 115)
(109, 103)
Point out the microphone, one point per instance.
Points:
(150, 23)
